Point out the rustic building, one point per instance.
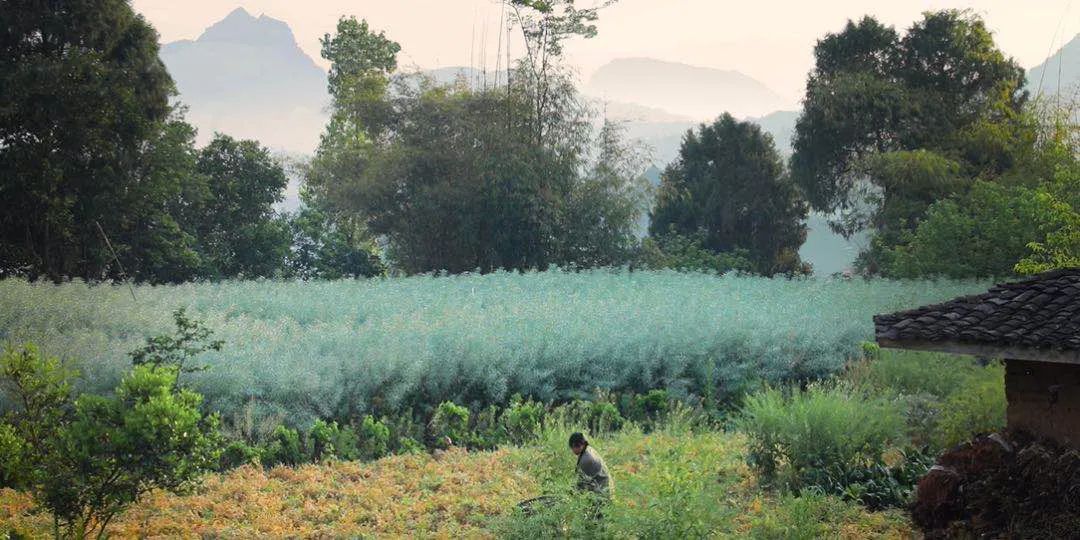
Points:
(1033, 324)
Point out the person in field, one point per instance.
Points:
(593, 474)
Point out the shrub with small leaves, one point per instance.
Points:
(449, 425)
(374, 438)
(93, 456)
(236, 454)
(283, 448)
(522, 420)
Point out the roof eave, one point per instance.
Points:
(990, 351)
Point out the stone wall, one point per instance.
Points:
(1044, 399)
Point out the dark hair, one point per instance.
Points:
(577, 439)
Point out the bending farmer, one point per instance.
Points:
(592, 473)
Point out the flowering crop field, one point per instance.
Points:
(338, 349)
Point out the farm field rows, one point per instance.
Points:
(304, 350)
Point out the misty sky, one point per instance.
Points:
(768, 40)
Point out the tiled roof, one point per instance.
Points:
(1041, 312)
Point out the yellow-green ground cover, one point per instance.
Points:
(669, 482)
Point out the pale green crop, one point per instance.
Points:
(344, 348)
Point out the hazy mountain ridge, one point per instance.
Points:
(1060, 73)
(692, 91)
(247, 77)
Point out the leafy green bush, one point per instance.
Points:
(374, 438)
(651, 405)
(283, 447)
(596, 417)
(828, 437)
(14, 471)
(93, 456)
(977, 407)
(914, 373)
(236, 454)
(449, 425)
(320, 441)
(487, 430)
(523, 420)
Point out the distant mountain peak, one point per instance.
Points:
(1059, 73)
(242, 27)
(246, 76)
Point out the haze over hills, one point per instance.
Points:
(246, 76)
(692, 91)
(1058, 74)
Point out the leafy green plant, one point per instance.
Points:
(320, 441)
(93, 456)
(449, 425)
(236, 454)
(283, 447)
(374, 438)
(978, 407)
(826, 437)
(191, 339)
(523, 420)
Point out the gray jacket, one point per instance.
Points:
(593, 473)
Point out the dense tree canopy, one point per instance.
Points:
(454, 178)
(729, 183)
(238, 231)
(873, 91)
(85, 99)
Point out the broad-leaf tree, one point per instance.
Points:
(873, 91)
(84, 96)
(729, 183)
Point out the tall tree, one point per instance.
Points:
(873, 92)
(729, 184)
(238, 231)
(454, 178)
(83, 91)
(545, 26)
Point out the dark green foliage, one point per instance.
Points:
(729, 186)
(85, 102)
(980, 234)
(600, 415)
(650, 406)
(946, 400)
(319, 444)
(449, 425)
(522, 420)
(689, 254)
(826, 438)
(872, 91)
(283, 447)
(459, 179)
(374, 439)
(238, 231)
(236, 454)
(326, 249)
(93, 456)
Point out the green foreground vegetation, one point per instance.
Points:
(838, 459)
